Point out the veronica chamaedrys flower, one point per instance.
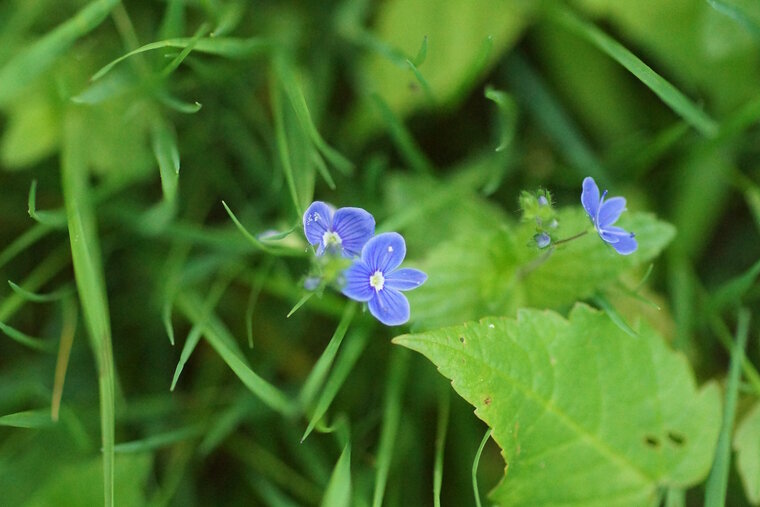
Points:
(375, 279)
(603, 213)
(345, 230)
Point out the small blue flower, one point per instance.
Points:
(605, 213)
(542, 240)
(374, 278)
(345, 230)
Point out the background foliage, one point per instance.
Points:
(145, 319)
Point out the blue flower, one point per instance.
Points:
(542, 240)
(605, 213)
(345, 230)
(375, 279)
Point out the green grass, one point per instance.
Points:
(155, 162)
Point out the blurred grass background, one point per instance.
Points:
(432, 116)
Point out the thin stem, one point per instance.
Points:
(567, 240)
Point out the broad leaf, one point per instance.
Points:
(604, 418)
(747, 447)
(493, 269)
(455, 32)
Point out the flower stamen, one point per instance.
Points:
(330, 238)
(377, 280)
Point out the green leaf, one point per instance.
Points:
(576, 269)
(580, 405)
(747, 447)
(493, 270)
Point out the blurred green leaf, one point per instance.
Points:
(454, 33)
(32, 132)
(747, 447)
(79, 484)
(36, 58)
(580, 405)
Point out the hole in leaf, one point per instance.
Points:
(652, 441)
(676, 438)
(461, 339)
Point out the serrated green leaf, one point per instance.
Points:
(605, 418)
(491, 270)
(747, 447)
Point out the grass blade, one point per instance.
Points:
(343, 366)
(535, 97)
(338, 493)
(298, 102)
(42, 298)
(669, 94)
(258, 244)
(444, 407)
(220, 339)
(88, 273)
(167, 155)
(322, 366)
(731, 292)
(219, 46)
(48, 218)
(68, 330)
(475, 464)
(394, 391)
(29, 63)
(24, 241)
(25, 339)
(402, 138)
(159, 441)
(750, 21)
(29, 419)
(717, 482)
(614, 316)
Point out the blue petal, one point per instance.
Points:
(357, 285)
(316, 221)
(626, 245)
(610, 211)
(355, 227)
(405, 279)
(612, 234)
(384, 252)
(390, 307)
(590, 197)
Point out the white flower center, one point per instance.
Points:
(377, 281)
(331, 238)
